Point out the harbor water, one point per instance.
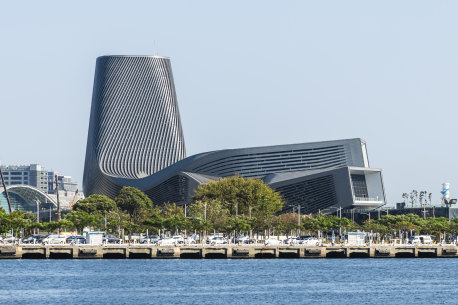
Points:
(254, 281)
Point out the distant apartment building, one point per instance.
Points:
(65, 183)
(34, 175)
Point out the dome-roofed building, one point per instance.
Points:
(27, 198)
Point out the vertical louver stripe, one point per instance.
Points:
(135, 127)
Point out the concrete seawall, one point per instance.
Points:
(223, 251)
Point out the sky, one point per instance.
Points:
(247, 73)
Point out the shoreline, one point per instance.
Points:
(120, 251)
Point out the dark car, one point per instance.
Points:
(32, 239)
(244, 240)
(110, 239)
(75, 240)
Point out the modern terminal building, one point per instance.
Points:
(135, 139)
(32, 187)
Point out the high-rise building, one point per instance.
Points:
(135, 139)
(34, 175)
(135, 127)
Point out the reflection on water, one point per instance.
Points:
(254, 281)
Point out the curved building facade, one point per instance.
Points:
(135, 139)
(318, 176)
(26, 198)
(135, 127)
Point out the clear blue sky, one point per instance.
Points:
(247, 73)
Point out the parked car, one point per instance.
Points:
(307, 240)
(110, 239)
(152, 239)
(9, 239)
(189, 241)
(272, 241)
(244, 240)
(217, 240)
(420, 240)
(167, 241)
(179, 240)
(290, 241)
(32, 239)
(54, 239)
(75, 240)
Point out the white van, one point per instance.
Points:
(421, 240)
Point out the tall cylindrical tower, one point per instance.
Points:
(135, 128)
(445, 191)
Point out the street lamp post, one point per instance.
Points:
(205, 220)
(251, 230)
(185, 218)
(368, 215)
(38, 210)
(299, 219)
(58, 201)
(236, 219)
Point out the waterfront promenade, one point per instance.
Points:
(222, 251)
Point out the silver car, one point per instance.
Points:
(217, 240)
(308, 241)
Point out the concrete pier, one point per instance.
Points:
(221, 251)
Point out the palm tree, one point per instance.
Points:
(430, 197)
(422, 195)
(405, 196)
(413, 197)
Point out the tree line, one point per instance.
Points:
(231, 205)
(423, 198)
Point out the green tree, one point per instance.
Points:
(154, 222)
(132, 201)
(135, 203)
(100, 204)
(81, 219)
(249, 197)
(405, 196)
(238, 224)
(422, 196)
(413, 197)
(213, 211)
(286, 223)
(436, 226)
(168, 210)
(15, 221)
(3, 221)
(175, 223)
(51, 226)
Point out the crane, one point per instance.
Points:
(74, 199)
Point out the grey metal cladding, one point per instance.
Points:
(255, 162)
(261, 161)
(135, 127)
(313, 190)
